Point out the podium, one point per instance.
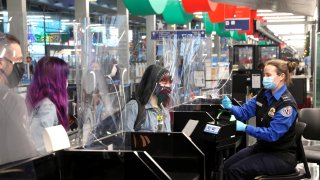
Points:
(215, 143)
(124, 155)
(174, 152)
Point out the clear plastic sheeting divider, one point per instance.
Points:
(184, 58)
(101, 91)
(195, 70)
(15, 135)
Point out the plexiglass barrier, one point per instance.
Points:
(101, 91)
(185, 60)
(195, 71)
(102, 80)
(15, 137)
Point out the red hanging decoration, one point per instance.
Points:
(191, 6)
(242, 12)
(229, 11)
(221, 12)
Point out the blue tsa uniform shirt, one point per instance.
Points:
(275, 122)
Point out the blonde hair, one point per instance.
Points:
(285, 67)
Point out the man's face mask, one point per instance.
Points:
(16, 74)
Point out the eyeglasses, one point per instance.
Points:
(13, 62)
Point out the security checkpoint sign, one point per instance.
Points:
(238, 24)
(159, 35)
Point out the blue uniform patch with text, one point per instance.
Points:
(286, 111)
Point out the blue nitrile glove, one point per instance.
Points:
(240, 126)
(226, 102)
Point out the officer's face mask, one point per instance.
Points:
(16, 74)
(268, 83)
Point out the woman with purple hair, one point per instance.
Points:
(47, 97)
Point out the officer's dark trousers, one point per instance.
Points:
(247, 164)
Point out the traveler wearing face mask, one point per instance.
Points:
(154, 95)
(275, 110)
(15, 138)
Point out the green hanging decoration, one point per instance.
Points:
(239, 37)
(219, 28)
(243, 37)
(174, 13)
(263, 43)
(235, 36)
(226, 34)
(207, 23)
(145, 7)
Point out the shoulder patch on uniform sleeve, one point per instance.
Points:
(286, 111)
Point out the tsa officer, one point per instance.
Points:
(275, 110)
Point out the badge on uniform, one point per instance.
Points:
(286, 111)
(271, 112)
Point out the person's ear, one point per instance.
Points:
(282, 76)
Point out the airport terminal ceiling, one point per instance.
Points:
(298, 7)
(97, 8)
(291, 30)
(289, 20)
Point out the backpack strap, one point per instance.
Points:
(141, 116)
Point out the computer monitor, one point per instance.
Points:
(267, 52)
(244, 56)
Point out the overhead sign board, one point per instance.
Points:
(238, 24)
(158, 35)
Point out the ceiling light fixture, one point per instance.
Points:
(275, 14)
(283, 17)
(264, 11)
(285, 20)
